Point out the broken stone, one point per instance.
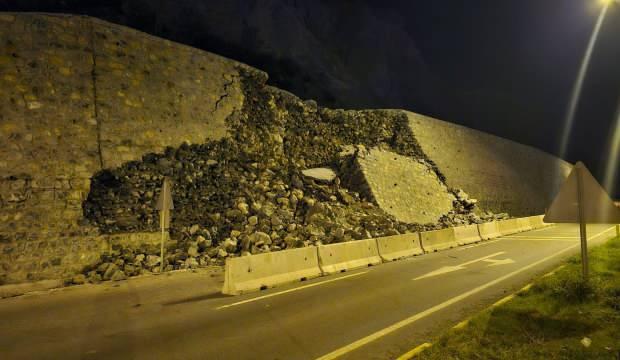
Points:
(325, 175)
(194, 229)
(586, 342)
(191, 263)
(94, 277)
(78, 279)
(110, 271)
(192, 251)
(244, 208)
(118, 275)
(152, 260)
(260, 237)
(230, 245)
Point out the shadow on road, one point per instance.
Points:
(210, 296)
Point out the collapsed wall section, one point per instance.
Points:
(503, 175)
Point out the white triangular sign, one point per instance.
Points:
(597, 207)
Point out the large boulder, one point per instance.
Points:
(408, 189)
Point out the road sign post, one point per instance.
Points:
(582, 225)
(164, 205)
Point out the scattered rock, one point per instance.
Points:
(192, 251)
(110, 271)
(586, 342)
(326, 175)
(118, 275)
(263, 189)
(152, 260)
(79, 279)
(221, 253)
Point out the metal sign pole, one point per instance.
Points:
(582, 226)
(164, 209)
(163, 238)
(164, 205)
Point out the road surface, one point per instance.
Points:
(372, 313)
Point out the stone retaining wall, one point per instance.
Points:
(78, 95)
(503, 175)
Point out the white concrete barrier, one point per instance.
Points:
(399, 246)
(467, 234)
(438, 240)
(507, 227)
(349, 255)
(524, 224)
(256, 272)
(537, 221)
(489, 230)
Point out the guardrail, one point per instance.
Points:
(256, 272)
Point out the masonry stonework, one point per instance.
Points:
(76, 95)
(503, 175)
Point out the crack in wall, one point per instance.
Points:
(93, 75)
(226, 94)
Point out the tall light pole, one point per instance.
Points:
(577, 87)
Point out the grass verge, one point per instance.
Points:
(550, 320)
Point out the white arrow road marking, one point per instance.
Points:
(499, 262)
(447, 269)
(415, 317)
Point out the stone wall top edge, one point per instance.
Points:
(136, 31)
(431, 119)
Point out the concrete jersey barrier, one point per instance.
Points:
(537, 221)
(507, 227)
(467, 234)
(255, 272)
(399, 246)
(349, 255)
(489, 230)
(438, 240)
(524, 224)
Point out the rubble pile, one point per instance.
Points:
(275, 183)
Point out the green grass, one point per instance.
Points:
(550, 320)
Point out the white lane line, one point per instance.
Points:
(542, 237)
(372, 337)
(539, 239)
(288, 291)
(545, 228)
(476, 245)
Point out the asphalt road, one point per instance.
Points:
(372, 313)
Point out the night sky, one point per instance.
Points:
(504, 67)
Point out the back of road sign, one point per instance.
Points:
(597, 207)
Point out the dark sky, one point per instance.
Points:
(500, 66)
